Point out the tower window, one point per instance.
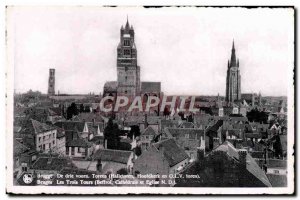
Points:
(126, 52)
(126, 43)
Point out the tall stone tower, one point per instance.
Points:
(233, 80)
(51, 82)
(127, 68)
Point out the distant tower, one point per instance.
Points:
(51, 82)
(233, 80)
(259, 99)
(127, 68)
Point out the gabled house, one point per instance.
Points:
(23, 157)
(40, 136)
(79, 148)
(164, 158)
(147, 136)
(225, 166)
(111, 160)
(188, 139)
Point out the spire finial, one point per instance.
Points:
(233, 44)
(127, 23)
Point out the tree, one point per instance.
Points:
(257, 116)
(111, 134)
(72, 111)
(81, 108)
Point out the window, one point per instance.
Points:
(53, 141)
(33, 158)
(126, 43)
(276, 171)
(44, 146)
(40, 139)
(126, 52)
(67, 150)
(72, 150)
(49, 145)
(44, 137)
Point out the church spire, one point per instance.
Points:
(127, 23)
(233, 57)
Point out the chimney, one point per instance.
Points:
(105, 144)
(162, 150)
(99, 165)
(200, 153)
(146, 122)
(243, 157)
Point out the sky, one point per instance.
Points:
(186, 49)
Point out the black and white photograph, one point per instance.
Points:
(150, 100)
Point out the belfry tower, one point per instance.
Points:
(127, 68)
(233, 80)
(51, 82)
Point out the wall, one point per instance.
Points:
(48, 139)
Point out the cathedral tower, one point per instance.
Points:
(51, 82)
(233, 80)
(127, 68)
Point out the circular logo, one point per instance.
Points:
(27, 178)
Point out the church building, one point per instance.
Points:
(233, 80)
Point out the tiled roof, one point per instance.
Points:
(171, 151)
(232, 132)
(71, 125)
(51, 163)
(89, 117)
(150, 87)
(251, 165)
(253, 135)
(164, 123)
(55, 111)
(187, 125)
(78, 143)
(19, 148)
(182, 132)
(149, 131)
(277, 180)
(39, 127)
(112, 155)
(277, 163)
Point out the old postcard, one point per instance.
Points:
(150, 100)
